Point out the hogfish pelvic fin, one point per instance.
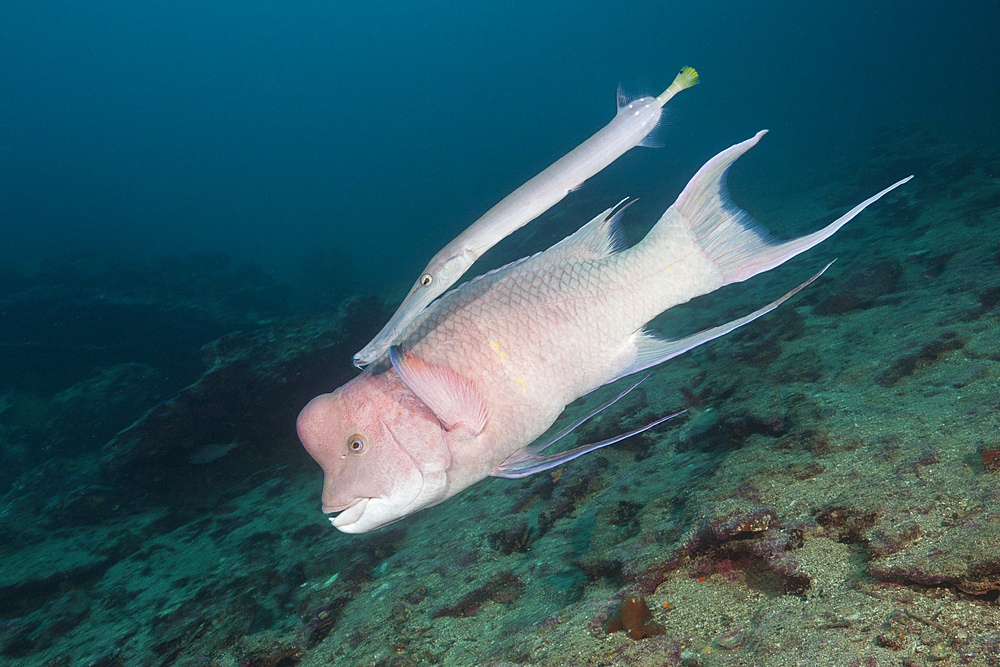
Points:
(537, 449)
(527, 461)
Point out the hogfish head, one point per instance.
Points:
(383, 453)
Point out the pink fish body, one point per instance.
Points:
(488, 367)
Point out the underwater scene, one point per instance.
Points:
(499, 334)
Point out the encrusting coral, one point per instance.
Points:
(635, 618)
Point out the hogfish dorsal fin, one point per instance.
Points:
(597, 239)
(453, 399)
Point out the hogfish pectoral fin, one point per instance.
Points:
(652, 350)
(453, 399)
(527, 461)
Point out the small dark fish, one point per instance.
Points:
(213, 452)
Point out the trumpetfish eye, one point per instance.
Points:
(426, 279)
(356, 443)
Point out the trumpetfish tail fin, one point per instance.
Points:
(686, 78)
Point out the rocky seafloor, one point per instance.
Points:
(832, 496)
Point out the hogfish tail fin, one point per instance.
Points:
(738, 245)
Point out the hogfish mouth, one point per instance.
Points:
(347, 513)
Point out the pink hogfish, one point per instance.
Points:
(477, 376)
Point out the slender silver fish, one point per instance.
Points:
(630, 128)
(486, 369)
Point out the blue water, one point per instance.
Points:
(361, 138)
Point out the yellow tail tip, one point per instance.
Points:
(686, 78)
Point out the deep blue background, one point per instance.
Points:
(358, 138)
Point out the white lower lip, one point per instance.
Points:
(351, 513)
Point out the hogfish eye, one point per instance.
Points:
(426, 279)
(356, 443)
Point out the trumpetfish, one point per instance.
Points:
(632, 126)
